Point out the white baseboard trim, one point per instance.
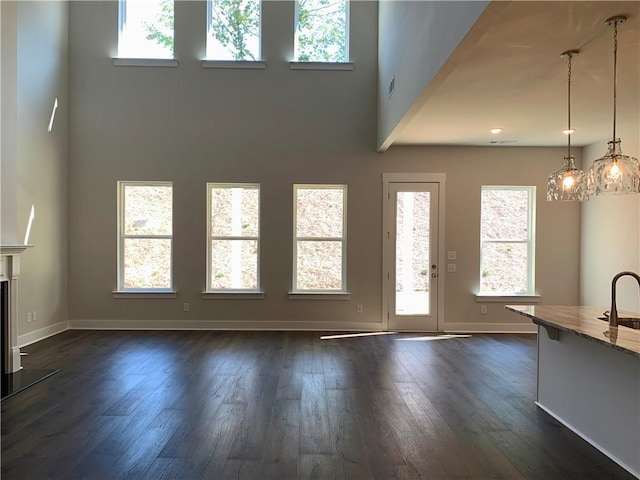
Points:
(41, 334)
(224, 325)
(588, 440)
(490, 328)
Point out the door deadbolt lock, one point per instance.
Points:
(434, 266)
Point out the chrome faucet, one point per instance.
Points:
(613, 314)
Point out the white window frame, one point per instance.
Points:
(237, 292)
(122, 291)
(530, 294)
(209, 62)
(342, 293)
(127, 61)
(297, 64)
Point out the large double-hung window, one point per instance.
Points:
(145, 236)
(507, 240)
(233, 253)
(320, 238)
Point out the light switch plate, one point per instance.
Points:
(451, 255)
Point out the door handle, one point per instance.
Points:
(434, 275)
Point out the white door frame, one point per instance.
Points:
(440, 179)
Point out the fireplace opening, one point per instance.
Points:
(15, 382)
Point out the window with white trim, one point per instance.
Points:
(233, 30)
(233, 251)
(320, 238)
(145, 29)
(322, 31)
(507, 240)
(145, 236)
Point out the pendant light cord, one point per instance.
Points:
(569, 55)
(615, 74)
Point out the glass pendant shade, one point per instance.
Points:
(567, 183)
(614, 173)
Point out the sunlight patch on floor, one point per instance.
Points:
(352, 335)
(431, 337)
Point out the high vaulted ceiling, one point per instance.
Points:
(511, 75)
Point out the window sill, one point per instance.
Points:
(240, 64)
(319, 295)
(233, 295)
(145, 294)
(145, 62)
(321, 65)
(508, 299)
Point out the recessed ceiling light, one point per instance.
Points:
(496, 131)
(569, 131)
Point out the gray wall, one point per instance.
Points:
(40, 73)
(415, 41)
(611, 236)
(275, 127)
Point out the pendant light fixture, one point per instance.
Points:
(568, 182)
(615, 172)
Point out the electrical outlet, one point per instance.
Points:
(186, 307)
(451, 267)
(29, 317)
(359, 308)
(483, 309)
(35, 316)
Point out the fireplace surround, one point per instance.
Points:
(9, 273)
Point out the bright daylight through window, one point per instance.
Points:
(234, 237)
(319, 247)
(145, 236)
(233, 30)
(507, 234)
(146, 29)
(322, 31)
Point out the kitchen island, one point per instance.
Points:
(589, 377)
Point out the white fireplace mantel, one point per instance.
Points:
(9, 272)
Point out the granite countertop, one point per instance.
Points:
(583, 321)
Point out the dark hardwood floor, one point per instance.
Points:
(287, 405)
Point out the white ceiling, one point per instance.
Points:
(512, 76)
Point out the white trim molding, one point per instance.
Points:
(319, 295)
(231, 295)
(526, 299)
(235, 64)
(144, 294)
(339, 66)
(490, 328)
(298, 325)
(145, 62)
(42, 333)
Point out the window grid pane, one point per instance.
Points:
(234, 30)
(235, 211)
(321, 31)
(319, 265)
(147, 210)
(504, 267)
(234, 264)
(146, 29)
(147, 263)
(319, 212)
